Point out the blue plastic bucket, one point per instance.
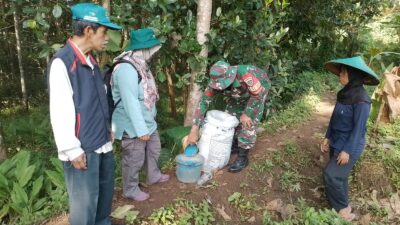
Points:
(188, 168)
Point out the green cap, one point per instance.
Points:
(142, 38)
(89, 12)
(222, 75)
(356, 62)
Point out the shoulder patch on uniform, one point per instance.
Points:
(252, 83)
(208, 92)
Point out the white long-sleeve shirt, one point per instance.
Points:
(62, 113)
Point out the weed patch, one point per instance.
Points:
(306, 215)
(297, 112)
(382, 154)
(262, 166)
(183, 212)
(290, 181)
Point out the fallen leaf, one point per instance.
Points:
(271, 149)
(365, 219)
(221, 212)
(316, 192)
(121, 211)
(269, 181)
(252, 219)
(143, 185)
(275, 205)
(395, 203)
(208, 199)
(388, 146)
(373, 197)
(260, 130)
(287, 211)
(219, 172)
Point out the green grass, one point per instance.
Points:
(306, 215)
(297, 112)
(384, 147)
(183, 212)
(298, 99)
(290, 181)
(30, 132)
(262, 166)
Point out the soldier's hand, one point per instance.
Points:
(246, 121)
(193, 135)
(145, 137)
(79, 163)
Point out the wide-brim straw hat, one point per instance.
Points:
(370, 78)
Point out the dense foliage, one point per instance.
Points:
(282, 37)
(286, 38)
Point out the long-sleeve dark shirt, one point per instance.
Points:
(347, 128)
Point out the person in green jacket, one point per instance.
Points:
(133, 120)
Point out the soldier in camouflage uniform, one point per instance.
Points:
(246, 88)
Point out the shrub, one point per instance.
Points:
(26, 193)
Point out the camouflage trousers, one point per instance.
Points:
(246, 137)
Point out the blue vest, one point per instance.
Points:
(92, 126)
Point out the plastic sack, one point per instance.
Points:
(216, 139)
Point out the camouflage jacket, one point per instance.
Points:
(253, 88)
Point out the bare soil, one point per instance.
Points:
(263, 187)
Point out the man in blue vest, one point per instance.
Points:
(80, 118)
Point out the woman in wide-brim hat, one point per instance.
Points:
(345, 136)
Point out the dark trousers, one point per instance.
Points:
(336, 181)
(91, 191)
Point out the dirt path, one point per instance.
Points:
(262, 186)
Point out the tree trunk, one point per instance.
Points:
(104, 57)
(204, 10)
(171, 92)
(19, 55)
(45, 39)
(107, 6)
(3, 153)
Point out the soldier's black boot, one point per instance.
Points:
(241, 161)
(235, 146)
